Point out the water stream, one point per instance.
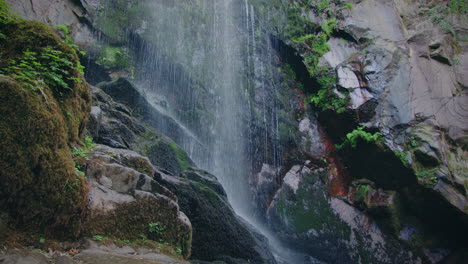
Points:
(209, 68)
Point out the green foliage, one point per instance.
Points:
(68, 39)
(42, 240)
(178, 251)
(83, 151)
(312, 40)
(322, 5)
(114, 57)
(438, 16)
(459, 7)
(348, 6)
(64, 28)
(359, 133)
(403, 156)
(6, 16)
(48, 67)
(428, 177)
(156, 228)
(361, 192)
(98, 238)
(328, 25)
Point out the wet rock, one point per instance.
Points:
(112, 123)
(304, 216)
(126, 93)
(311, 138)
(218, 233)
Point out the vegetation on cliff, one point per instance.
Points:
(46, 103)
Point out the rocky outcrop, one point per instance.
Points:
(60, 12)
(155, 116)
(417, 94)
(125, 201)
(218, 232)
(329, 229)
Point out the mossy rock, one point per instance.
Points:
(132, 221)
(168, 156)
(217, 232)
(40, 186)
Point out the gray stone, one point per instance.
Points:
(18, 256)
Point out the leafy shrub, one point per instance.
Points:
(359, 133)
(6, 15)
(50, 67)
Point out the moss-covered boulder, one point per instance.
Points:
(128, 204)
(44, 109)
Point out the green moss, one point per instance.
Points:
(42, 188)
(131, 221)
(167, 155)
(182, 156)
(302, 217)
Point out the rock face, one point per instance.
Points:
(125, 201)
(218, 233)
(120, 182)
(328, 228)
(408, 71)
(401, 66)
(60, 12)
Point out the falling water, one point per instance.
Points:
(205, 65)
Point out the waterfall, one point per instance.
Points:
(207, 66)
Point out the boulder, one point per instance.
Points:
(124, 201)
(218, 233)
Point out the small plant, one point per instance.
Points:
(156, 228)
(348, 6)
(83, 151)
(361, 192)
(428, 177)
(359, 133)
(114, 57)
(143, 238)
(42, 240)
(178, 251)
(98, 238)
(403, 156)
(47, 67)
(322, 5)
(68, 39)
